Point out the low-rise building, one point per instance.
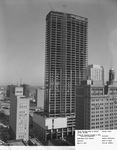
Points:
(16, 143)
(57, 142)
(51, 127)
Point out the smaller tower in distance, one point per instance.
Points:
(111, 75)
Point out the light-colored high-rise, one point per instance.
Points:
(95, 73)
(40, 97)
(19, 114)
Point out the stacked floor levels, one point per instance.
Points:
(97, 105)
(65, 62)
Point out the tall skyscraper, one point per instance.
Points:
(65, 62)
(65, 67)
(19, 114)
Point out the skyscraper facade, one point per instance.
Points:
(65, 62)
(95, 73)
(19, 113)
(26, 90)
(97, 104)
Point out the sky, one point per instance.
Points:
(22, 36)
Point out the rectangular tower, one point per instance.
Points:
(19, 114)
(97, 103)
(65, 62)
(95, 73)
(26, 90)
(39, 96)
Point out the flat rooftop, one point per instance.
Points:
(68, 14)
(40, 113)
(36, 142)
(16, 143)
(57, 142)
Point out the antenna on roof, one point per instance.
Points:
(17, 83)
(20, 82)
(64, 6)
(111, 63)
(50, 6)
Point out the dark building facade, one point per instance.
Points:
(26, 89)
(8, 91)
(65, 62)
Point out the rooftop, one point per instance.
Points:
(95, 66)
(17, 143)
(58, 142)
(35, 141)
(68, 14)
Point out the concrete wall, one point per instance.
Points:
(40, 97)
(50, 123)
(60, 122)
(38, 119)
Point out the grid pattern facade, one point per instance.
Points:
(104, 113)
(19, 113)
(65, 61)
(22, 130)
(96, 109)
(95, 73)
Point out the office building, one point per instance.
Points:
(14, 89)
(49, 127)
(39, 96)
(65, 67)
(8, 91)
(95, 73)
(26, 89)
(19, 114)
(97, 104)
(65, 61)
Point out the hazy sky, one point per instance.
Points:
(22, 36)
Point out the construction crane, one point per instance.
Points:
(64, 8)
(50, 6)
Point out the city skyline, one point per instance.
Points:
(22, 36)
